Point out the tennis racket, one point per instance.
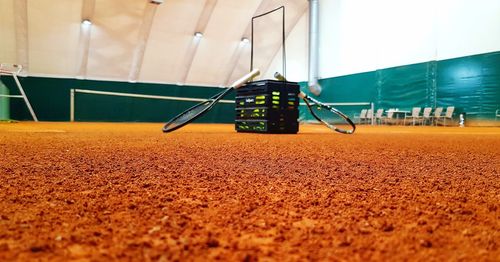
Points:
(324, 113)
(198, 110)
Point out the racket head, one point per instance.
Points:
(328, 115)
(193, 112)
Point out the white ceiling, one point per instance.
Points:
(134, 40)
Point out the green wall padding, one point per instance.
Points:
(405, 86)
(471, 84)
(50, 98)
(4, 102)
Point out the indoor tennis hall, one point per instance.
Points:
(250, 130)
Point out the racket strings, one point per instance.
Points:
(188, 115)
(324, 113)
(331, 117)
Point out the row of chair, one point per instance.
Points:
(427, 117)
(394, 116)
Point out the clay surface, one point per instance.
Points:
(100, 192)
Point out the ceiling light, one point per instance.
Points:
(245, 40)
(198, 35)
(86, 22)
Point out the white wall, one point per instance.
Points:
(53, 52)
(365, 35)
(296, 54)
(466, 27)
(7, 32)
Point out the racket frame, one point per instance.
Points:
(307, 99)
(212, 101)
(332, 109)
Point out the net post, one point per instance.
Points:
(372, 106)
(72, 105)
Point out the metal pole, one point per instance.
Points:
(25, 98)
(372, 105)
(72, 105)
(313, 84)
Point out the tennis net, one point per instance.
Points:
(95, 105)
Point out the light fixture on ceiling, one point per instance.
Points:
(158, 2)
(86, 22)
(198, 35)
(245, 40)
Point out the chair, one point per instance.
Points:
(361, 116)
(378, 116)
(389, 118)
(437, 114)
(369, 116)
(448, 115)
(426, 116)
(415, 112)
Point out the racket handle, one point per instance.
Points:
(279, 76)
(245, 78)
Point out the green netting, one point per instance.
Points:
(104, 108)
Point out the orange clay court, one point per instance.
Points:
(100, 191)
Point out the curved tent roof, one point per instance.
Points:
(135, 40)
